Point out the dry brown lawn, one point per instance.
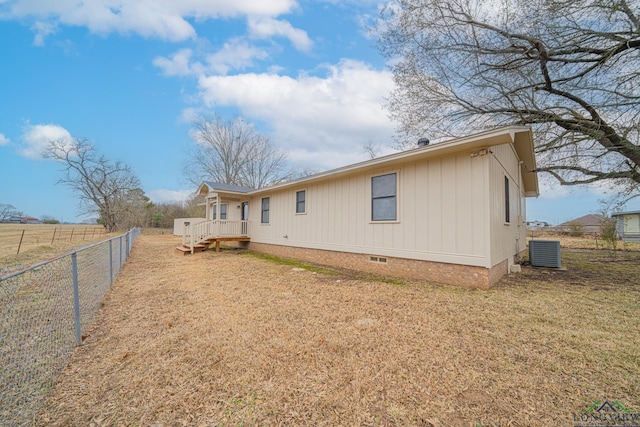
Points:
(43, 241)
(586, 241)
(230, 339)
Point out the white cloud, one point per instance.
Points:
(164, 19)
(191, 114)
(4, 140)
(265, 27)
(36, 138)
(42, 30)
(169, 196)
(551, 189)
(235, 54)
(178, 64)
(322, 122)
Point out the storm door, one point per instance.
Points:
(245, 217)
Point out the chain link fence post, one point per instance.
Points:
(76, 297)
(111, 261)
(43, 312)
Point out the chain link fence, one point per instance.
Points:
(43, 312)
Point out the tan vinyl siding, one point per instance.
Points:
(432, 198)
(442, 211)
(632, 224)
(450, 209)
(506, 236)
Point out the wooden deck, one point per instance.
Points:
(199, 237)
(206, 244)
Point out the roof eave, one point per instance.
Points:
(523, 144)
(212, 189)
(477, 141)
(625, 213)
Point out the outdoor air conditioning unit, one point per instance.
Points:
(544, 253)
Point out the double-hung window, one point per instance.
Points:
(383, 198)
(223, 211)
(301, 197)
(264, 217)
(507, 213)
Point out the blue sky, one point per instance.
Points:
(131, 75)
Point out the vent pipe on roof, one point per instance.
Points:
(423, 142)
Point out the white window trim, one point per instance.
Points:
(214, 207)
(295, 196)
(507, 203)
(261, 198)
(370, 197)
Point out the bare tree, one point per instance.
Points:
(163, 214)
(371, 149)
(194, 207)
(105, 187)
(233, 152)
(133, 209)
(7, 211)
(570, 69)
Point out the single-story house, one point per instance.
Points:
(537, 224)
(14, 219)
(589, 224)
(628, 225)
(31, 220)
(451, 212)
(18, 219)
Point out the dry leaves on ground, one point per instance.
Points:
(230, 339)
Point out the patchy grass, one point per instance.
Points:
(227, 339)
(319, 269)
(294, 263)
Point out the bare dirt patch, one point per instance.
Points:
(230, 339)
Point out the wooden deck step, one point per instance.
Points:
(206, 244)
(184, 250)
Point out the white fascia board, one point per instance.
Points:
(478, 141)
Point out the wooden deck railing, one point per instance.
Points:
(197, 233)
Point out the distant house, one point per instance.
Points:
(30, 220)
(537, 224)
(628, 225)
(451, 212)
(588, 224)
(17, 219)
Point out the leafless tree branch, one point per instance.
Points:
(105, 187)
(567, 68)
(233, 152)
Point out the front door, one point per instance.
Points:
(245, 217)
